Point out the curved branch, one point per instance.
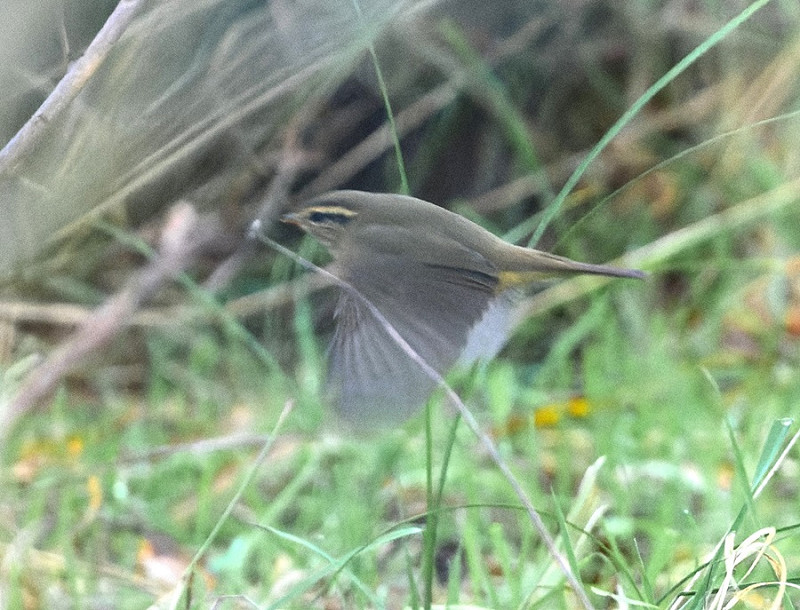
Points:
(70, 85)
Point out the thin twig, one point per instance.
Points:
(70, 85)
(199, 447)
(67, 314)
(484, 438)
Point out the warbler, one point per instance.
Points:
(439, 280)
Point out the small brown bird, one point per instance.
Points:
(440, 280)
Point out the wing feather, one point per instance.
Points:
(433, 306)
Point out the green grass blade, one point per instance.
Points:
(552, 210)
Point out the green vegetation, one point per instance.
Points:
(643, 418)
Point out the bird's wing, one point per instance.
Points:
(432, 305)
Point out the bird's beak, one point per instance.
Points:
(291, 219)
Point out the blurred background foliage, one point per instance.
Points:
(188, 94)
(241, 108)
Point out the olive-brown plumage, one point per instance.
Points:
(435, 276)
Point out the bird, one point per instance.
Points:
(442, 282)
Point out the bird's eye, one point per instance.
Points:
(320, 217)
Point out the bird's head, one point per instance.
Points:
(326, 222)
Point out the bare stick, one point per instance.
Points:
(70, 85)
(182, 238)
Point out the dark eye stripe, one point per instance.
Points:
(327, 217)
